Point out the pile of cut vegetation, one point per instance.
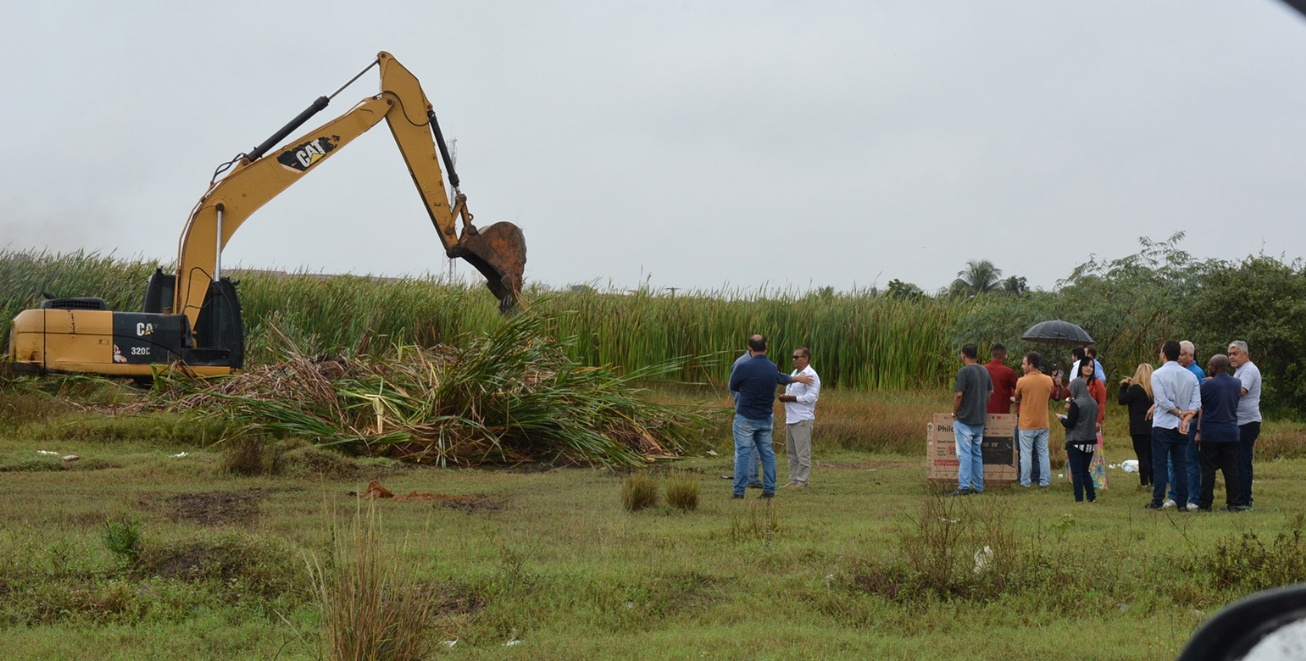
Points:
(509, 396)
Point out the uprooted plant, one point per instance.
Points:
(511, 395)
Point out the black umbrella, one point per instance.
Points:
(1057, 332)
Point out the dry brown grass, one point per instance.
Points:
(639, 491)
(682, 491)
(888, 422)
(371, 608)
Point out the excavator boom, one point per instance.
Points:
(498, 251)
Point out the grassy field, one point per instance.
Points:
(868, 563)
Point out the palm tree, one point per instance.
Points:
(980, 275)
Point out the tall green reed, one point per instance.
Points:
(858, 340)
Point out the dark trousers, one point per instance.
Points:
(1246, 443)
(1079, 462)
(1168, 448)
(1222, 456)
(1143, 450)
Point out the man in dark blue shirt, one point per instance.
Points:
(1218, 423)
(755, 380)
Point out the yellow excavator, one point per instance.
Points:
(192, 317)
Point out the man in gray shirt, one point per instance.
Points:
(970, 402)
(1249, 418)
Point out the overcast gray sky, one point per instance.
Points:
(697, 144)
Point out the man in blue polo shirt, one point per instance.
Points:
(1219, 427)
(755, 380)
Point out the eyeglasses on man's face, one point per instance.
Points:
(796, 357)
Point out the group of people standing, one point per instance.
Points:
(1188, 424)
(753, 380)
(1185, 425)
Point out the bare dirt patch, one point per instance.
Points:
(218, 508)
(465, 504)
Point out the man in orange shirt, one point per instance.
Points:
(1032, 394)
(1004, 381)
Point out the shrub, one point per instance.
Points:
(1246, 562)
(682, 492)
(370, 608)
(639, 491)
(250, 454)
(123, 539)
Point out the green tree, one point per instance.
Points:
(906, 290)
(1261, 301)
(979, 276)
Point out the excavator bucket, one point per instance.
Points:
(499, 253)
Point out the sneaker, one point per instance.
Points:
(1169, 502)
(798, 485)
(1193, 506)
(1201, 509)
(791, 485)
(737, 496)
(1231, 508)
(1243, 508)
(961, 492)
(754, 485)
(768, 495)
(1152, 506)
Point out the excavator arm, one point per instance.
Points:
(498, 251)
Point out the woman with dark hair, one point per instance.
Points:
(1081, 438)
(1136, 393)
(1096, 389)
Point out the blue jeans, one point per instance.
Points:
(754, 465)
(970, 459)
(1168, 446)
(1247, 434)
(1194, 467)
(1079, 462)
(1034, 442)
(753, 436)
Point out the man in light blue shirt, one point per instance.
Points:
(1249, 417)
(1175, 391)
(1188, 360)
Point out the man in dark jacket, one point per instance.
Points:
(755, 380)
(1218, 423)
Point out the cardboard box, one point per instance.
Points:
(1001, 454)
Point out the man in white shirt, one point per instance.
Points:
(1249, 418)
(800, 413)
(1178, 400)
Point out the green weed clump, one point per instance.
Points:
(509, 396)
(1248, 564)
(682, 492)
(371, 608)
(639, 491)
(251, 454)
(760, 521)
(123, 539)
